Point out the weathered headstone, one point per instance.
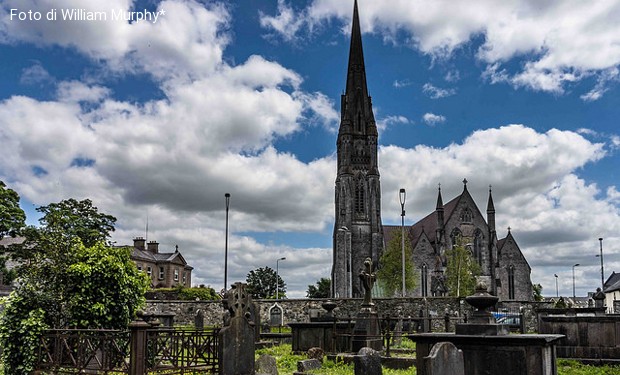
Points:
(275, 316)
(367, 330)
(236, 349)
(316, 353)
(266, 364)
(199, 319)
(368, 362)
(308, 364)
(445, 359)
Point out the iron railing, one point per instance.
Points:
(169, 351)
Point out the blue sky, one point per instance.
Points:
(160, 119)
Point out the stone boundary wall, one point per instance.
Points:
(587, 337)
(300, 310)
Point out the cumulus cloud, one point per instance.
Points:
(383, 123)
(433, 119)
(436, 92)
(554, 42)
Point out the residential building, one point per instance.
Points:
(166, 270)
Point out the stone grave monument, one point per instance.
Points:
(367, 330)
(236, 349)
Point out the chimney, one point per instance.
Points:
(139, 243)
(153, 247)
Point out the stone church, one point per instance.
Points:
(503, 266)
(358, 230)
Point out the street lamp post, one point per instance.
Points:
(574, 265)
(402, 195)
(600, 240)
(227, 196)
(278, 277)
(557, 293)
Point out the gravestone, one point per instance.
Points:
(236, 349)
(266, 364)
(367, 330)
(275, 316)
(367, 362)
(199, 319)
(445, 359)
(306, 365)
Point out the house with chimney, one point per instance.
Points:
(166, 270)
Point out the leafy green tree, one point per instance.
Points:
(537, 291)
(262, 283)
(64, 283)
(389, 274)
(72, 218)
(461, 271)
(320, 290)
(104, 287)
(12, 217)
(12, 220)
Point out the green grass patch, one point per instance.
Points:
(568, 367)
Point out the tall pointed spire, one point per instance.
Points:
(358, 232)
(439, 199)
(357, 116)
(490, 205)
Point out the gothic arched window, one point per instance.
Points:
(424, 280)
(478, 246)
(455, 236)
(359, 196)
(466, 215)
(511, 282)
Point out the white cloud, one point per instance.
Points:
(554, 42)
(402, 83)
(186, 42)
(383, 123)
(433, 119)
(436, 92)
(35, 75)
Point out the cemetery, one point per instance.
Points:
(471, 312)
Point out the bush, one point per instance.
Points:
(21, 326)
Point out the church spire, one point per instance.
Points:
(439, 200)
(356, 106)
(491, 212)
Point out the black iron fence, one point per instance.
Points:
(138, 351)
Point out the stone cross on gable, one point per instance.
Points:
(368, 279)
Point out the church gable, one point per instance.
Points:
(513, 271)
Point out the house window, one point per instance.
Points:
(161, 273)
(184, 277)
(511, 282)
(149, 271)
(424, 280)
(176, 274)
(139, 267)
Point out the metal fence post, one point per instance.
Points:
(137, 357)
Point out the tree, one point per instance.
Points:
(321, 290)
(64, 283)
(12, 220)
(73, 218)
(461, 271)
(262, 283)
(12, 217)
(389, 274)
(537, 292)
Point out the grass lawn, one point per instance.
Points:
(287, 364)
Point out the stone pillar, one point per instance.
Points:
(137, 341)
